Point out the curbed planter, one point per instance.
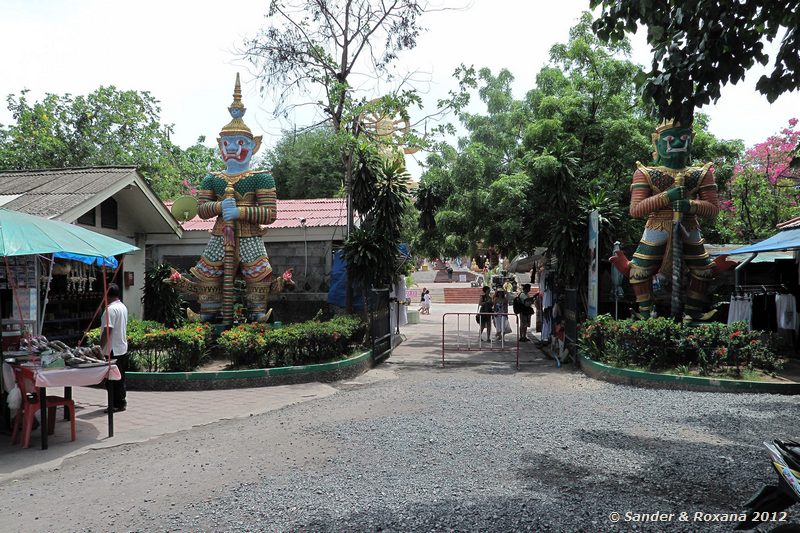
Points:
(258, 377)
(639, 378)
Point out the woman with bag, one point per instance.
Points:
(485, 309)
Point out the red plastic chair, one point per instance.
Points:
(30, 406)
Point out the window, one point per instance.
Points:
(108, 214)
(88, 218)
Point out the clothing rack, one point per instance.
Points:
(766, 288)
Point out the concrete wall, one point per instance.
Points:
(127, 231)
(286, 249)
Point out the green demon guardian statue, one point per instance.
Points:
(662, 193)
(241, 200)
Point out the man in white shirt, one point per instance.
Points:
(114, 324)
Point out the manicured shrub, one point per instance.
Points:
(296, 344)
(154, 348)
(661, 343)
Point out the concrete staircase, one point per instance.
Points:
(459, 294)
(462, 295)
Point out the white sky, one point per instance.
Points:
(183, 53)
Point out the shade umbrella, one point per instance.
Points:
(23, 234)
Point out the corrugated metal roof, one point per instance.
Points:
(318, 213)
(52, 192)
(762, 257)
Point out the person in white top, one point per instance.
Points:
(114, 340)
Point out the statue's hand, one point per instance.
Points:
(229, 209)
(682, 206)
(675, 193)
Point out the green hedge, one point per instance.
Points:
(660, 344)
(296, 344)
(154, 348)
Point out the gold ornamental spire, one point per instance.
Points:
(237, 97)
(237, 111)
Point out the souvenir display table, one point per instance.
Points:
(67, 377)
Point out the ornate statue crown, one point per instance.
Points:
(237, 111)
(662, 127)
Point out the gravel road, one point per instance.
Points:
(418, 448)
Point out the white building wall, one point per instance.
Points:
(127, 232)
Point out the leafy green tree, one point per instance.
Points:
(320, 47)
(700, 46)
(381, 198)
(307, 164)
(531, 170)
(106, 127)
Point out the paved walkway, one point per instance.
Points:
(153, 414)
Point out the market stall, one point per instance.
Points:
(24, 241)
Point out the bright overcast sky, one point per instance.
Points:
(183, 53)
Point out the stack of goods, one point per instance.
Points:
(80, 357)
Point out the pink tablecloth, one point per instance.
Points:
(75, 377)
(67, 377)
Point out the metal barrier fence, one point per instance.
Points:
(480, 344)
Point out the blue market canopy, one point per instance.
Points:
(784, 240)
(23, 234)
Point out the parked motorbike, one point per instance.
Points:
(770, 503)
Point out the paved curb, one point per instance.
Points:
(259, 377)
(639, 378)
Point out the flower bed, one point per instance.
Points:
(257, 345)
(154, 348)
(660, 344)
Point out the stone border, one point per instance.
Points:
(259, 377)
(639, 378)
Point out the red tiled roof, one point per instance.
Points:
(318, 212)
(789, 224)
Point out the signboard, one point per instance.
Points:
(594, 230)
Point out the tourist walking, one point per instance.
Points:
(425, 302)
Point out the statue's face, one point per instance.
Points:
(236, 151)
(674, 147)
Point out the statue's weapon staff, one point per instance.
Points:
(229, 260)
(677, 256)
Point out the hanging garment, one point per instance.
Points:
(400, 292)
(765, 314)
(787, 311)
(741, 309)
(547, 324)
(547, 294)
